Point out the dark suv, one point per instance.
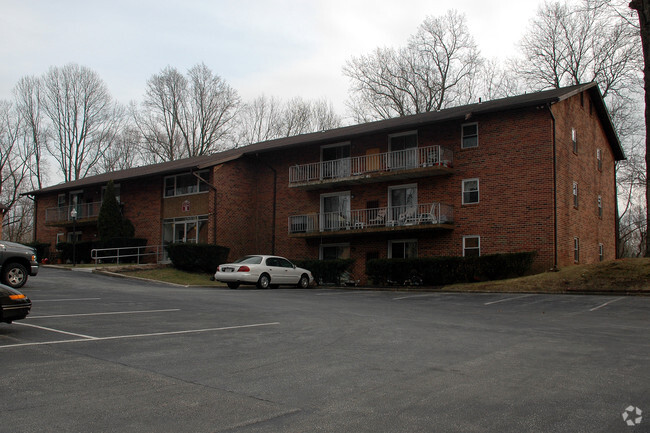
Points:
(18, 262)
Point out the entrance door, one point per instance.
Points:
(335, 211)
(403, 150)
(335, 161)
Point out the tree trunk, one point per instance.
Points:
(643, 9)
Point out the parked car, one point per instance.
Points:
(13, 305)
(18, 262)
(264, 271)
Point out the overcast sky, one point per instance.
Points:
(281, 48)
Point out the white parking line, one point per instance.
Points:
(66, 300)
(509, 299)
(416, 296)
(103, 314)
(121, 337)
(55, 330)
(606, 303)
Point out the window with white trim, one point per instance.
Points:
(470, 191)
(403, 249)
(335, 211)
(60, 237)
(601, 252)
(600, 207)
(575, 194)
(471, 246)
(185, 184)
(574, 140)
(599, 159)
(469, 136)
(576, 250)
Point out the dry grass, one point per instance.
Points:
(168, 274)
(624, 276)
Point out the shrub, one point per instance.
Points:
(42, 250)
(326, 271)
(82, 249)
(437, 271)
(197, 257)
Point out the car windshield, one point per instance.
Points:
(250, 260)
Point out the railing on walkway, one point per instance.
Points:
(144, 254)
(394, 216)
(380, 162)
(62, 213)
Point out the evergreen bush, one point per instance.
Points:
(197, 257)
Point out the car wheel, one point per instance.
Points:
(14, 275)
(264, 282)
(233, 285)
(303, 283)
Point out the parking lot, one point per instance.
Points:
(107, 354)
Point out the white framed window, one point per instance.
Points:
(576, 250)
(60, 237)
(335, 211)
(403, 249)
(471, 246)
(600, 207)
(76, 236)
(601, 252)
(191, 230)
(334, 251)
(469, 135)
(185, 184)
(470, 191)
(599, 159)
(575, 194)
(61, 200)
(574, 140)
(403, 150)
(403, 203)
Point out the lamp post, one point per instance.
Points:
(73, 214)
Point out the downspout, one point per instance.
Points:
(214, 189)
(555, 254)
(275, 195)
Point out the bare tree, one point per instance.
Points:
(432, 72)
(27, 95)
(14, 156)
(185, 116)
(268, 118)
(124, 152)
(83, 116)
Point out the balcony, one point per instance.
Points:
(402, 164)
(383, 219)
(61, 215)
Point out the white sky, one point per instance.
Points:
(281, 48)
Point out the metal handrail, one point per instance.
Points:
(121, 253)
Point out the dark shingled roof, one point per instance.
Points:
(536, 99)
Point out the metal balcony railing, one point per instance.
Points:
(380, 162)
(62, 213)
(394, 216)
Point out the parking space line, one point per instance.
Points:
(103, 314)
(607, 303)
(343, 292)
(509, 299)
(66, 300)
(122, 337)
(56, 330)
(428, 295)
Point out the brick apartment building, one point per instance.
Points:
(530, 172)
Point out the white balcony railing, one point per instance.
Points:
(380, 162)
(62, 213)
(394, 216)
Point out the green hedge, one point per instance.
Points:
(197, 257)
(436, 271)
(42, 250)
(83, 249)
(326, 271)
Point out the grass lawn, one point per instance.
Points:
(624, 276)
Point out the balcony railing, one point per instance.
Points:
(62, 213)
(376, 163)
(361, 219)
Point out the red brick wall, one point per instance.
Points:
(581, 167)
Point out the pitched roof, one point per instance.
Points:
(547, 97)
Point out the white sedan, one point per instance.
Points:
(264, 271)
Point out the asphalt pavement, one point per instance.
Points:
(104, 354)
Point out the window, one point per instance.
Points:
(190, 229)
(184, 184)
(335, 161)
(599, 159)
(403, 150)
(601, 252)
(61, 200)
(403, 249)
(471, 246)
(334, 251)
(469, 136)
(403, 203)
(600, 207)
(575, 194)
(574, 140)
(335, 211)
(576, 250)
(60, 237)
(470, 191)
(76, 236)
